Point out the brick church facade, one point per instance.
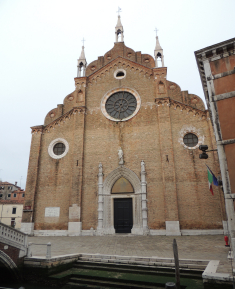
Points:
(121, 154)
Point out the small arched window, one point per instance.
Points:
(120, 74)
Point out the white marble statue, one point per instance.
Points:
(120, 157)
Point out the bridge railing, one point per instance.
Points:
(14, 238)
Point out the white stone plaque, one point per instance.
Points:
(74, 212)
(52, 212)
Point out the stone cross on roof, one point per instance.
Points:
(156, 30)
(119, 10)
(83, 40)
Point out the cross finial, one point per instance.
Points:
(156, 30)
(83, 40)
(119, 10)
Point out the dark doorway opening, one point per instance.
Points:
(123, 217)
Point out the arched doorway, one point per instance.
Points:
(110, 189)
(123, 212)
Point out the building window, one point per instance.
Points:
(121, 105)
(120, 73)
(13, 210)
(190, 140)
(2, 188)
(9, 188)
(14, 195)
(59, 148)
(0, 195)
(13, 222)
(23, 195)
(9, 195)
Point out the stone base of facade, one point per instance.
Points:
(225, 227)
(50, 233)
(150, 232)
(27, 228)
(202, 232)
(74, 228)
(106, 231)
(173, 228)
(188, 232)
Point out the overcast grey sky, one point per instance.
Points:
(41, 41)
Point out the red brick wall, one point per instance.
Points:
(12, 252)
(177, 189)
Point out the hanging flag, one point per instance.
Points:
(211, 179)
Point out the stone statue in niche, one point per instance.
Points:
(120, 157)
(142, 166)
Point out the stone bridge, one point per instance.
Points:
(13, 248)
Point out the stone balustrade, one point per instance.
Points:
(48, 252)
(14, 238)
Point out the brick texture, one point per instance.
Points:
(177, 185)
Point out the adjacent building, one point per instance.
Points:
(6, 190)
(11, 205)
(121, 154)
(216, 64)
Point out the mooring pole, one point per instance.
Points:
(177, 269)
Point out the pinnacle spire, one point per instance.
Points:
(82, 63)
(119, 28)
(82, 55)
(119, 24)
(158, 46)
(158, 52)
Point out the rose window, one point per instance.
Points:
(121, 105)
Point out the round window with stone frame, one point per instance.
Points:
(58, 148)
(190, 140)
(121, 105)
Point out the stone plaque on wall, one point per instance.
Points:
(74, 212)
(52, 212)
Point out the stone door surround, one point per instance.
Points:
(106, 209)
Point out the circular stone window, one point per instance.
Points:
(190, 140)
(120, 104)
(58, 148)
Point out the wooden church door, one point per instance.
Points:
(123, 217)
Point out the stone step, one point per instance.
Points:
(190, 264)
(99, 257)
(159, 270)
(108, 283)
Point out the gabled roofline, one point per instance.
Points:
(115, 59)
